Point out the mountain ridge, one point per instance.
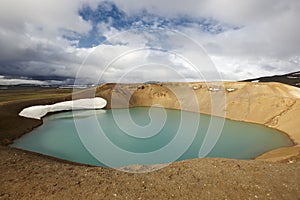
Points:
(292, 79)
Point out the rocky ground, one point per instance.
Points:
(26, 175)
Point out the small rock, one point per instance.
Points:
(237, 166)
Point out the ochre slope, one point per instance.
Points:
(272, 104)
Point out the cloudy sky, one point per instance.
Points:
(88, 41)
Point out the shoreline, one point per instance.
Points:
(31, 124)
(44, 177)
(254, 158)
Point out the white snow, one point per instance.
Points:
(213, 89)
(292, 77)
(255, 81)
(230, 89)
(37, 112)
(196, 87)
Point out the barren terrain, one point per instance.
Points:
(26, 175)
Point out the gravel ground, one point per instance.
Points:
(26, 175)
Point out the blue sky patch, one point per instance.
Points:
(110, 14)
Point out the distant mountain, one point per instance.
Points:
(290, 79)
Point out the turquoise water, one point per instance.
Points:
(110, 138)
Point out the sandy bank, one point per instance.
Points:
(272, 104)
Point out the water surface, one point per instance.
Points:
(179, 134)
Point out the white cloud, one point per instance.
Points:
(49, 16)
(241, 68)
(269, 27)
(31, 37)
(13, 81)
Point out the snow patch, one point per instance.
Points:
(196, 87)
(213, 89)
(292, 77)
(37, 112)
(230, 89)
